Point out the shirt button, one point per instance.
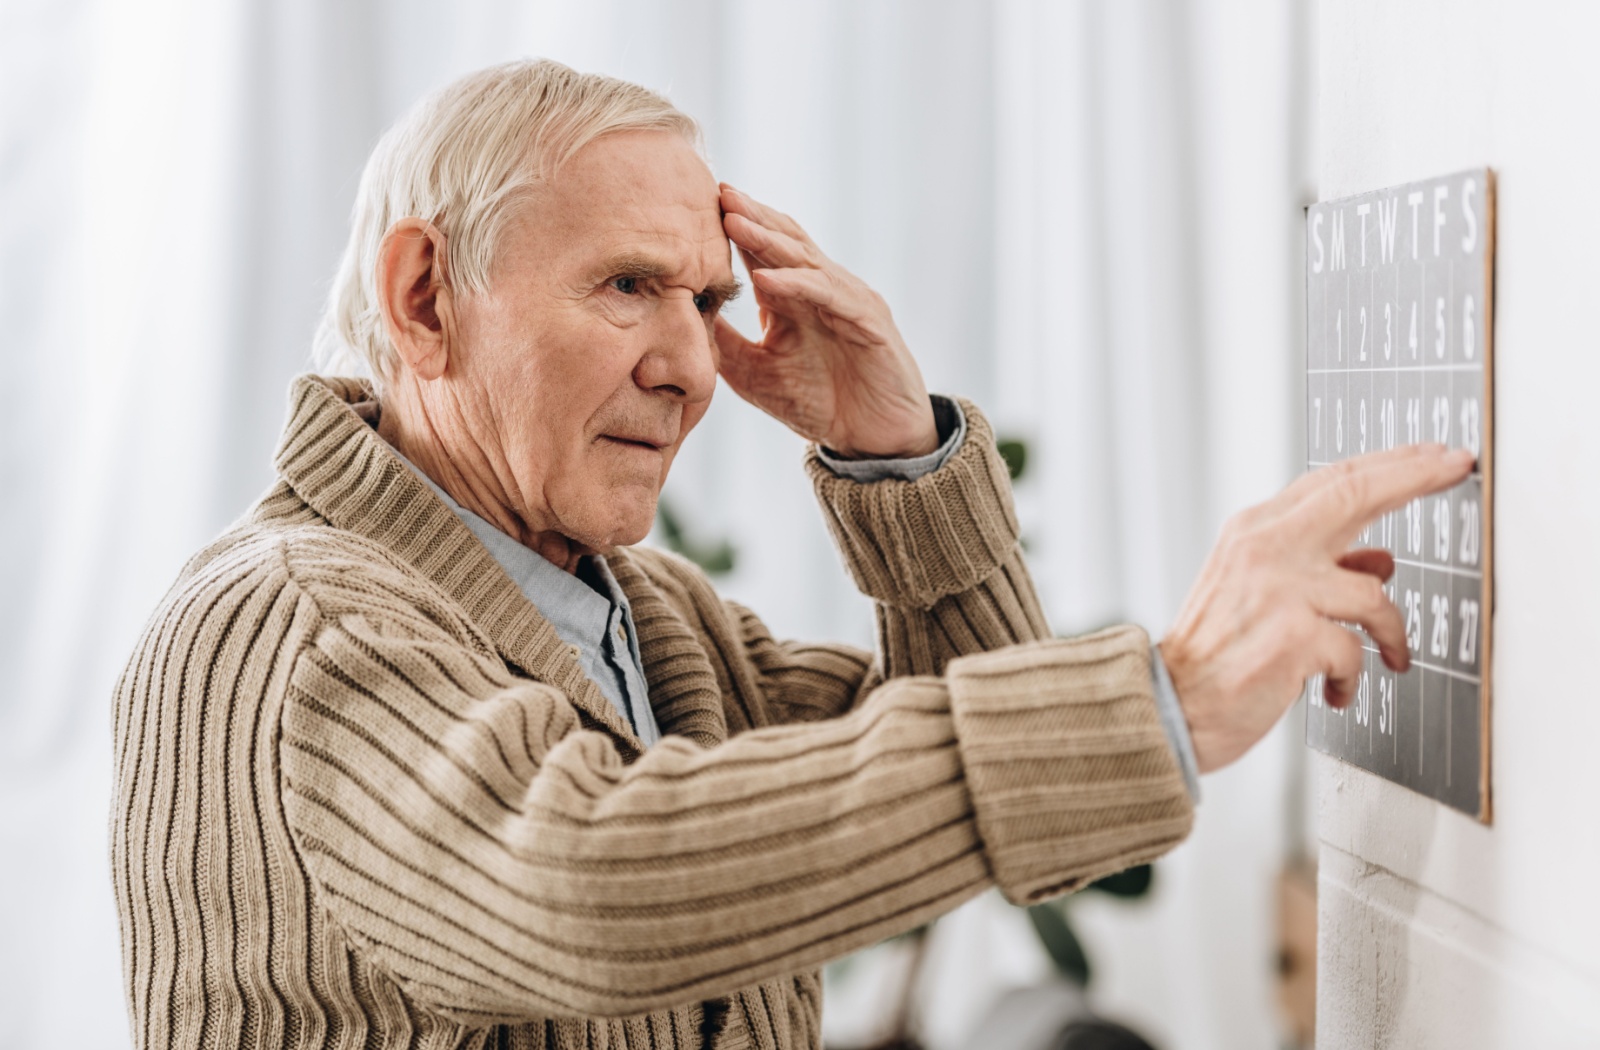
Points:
(577, 654)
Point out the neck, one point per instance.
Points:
(436, 439)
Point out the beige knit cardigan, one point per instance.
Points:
(365, 797)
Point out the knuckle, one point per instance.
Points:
(1350, 491)
(1242, 531)
(1236, 525)
(1300, 634)
(1255, 551)
(1373, 598)
(1242, 521)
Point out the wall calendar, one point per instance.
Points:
(1399, 349)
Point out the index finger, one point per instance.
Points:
(741, 203)
(769, 247)
(1352, 493)
(1312, 481)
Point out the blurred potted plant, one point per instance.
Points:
(716, 557)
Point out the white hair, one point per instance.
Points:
(462, 159)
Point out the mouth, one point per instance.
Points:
(648, 444)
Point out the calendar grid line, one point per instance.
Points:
(1425, 665)
(1378, 369)
(1473, 573)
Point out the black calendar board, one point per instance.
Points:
(1399, 349)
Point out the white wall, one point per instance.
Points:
(1436, 930)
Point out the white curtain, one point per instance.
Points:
(1083, 214)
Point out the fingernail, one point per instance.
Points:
(1461, 457)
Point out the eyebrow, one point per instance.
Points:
(640, 264)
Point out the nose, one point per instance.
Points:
(681, 361)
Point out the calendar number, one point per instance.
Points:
(1363, 705)
(1441, 420)
(1413, 612)
(1471, 527)
(1386, 422)
(1413, 420)
(1362, 447)
(1469, 425)
(1439, 642)
(1363, 355)
(1388, 328)
(1413, 340)
(1469, 327)
(1469, 631)
(1414, 526)
(1438, 327)
(1386, 689)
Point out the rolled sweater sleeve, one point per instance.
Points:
(911, 543)
(939, 555)
(500, 860)
(975, 603)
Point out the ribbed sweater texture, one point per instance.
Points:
(365, 796)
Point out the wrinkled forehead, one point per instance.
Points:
(637, 191)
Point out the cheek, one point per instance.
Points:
(692, 415)
(591, 362)
(555, 384)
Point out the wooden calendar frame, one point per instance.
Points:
(1400, 321)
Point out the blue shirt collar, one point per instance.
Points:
(579, 614)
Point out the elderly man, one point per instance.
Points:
(422, 753)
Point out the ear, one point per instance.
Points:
(414, 297)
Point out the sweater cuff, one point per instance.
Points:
(1071, 774)
(952, 427)
(911, 543)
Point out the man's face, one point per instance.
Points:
(592, 356)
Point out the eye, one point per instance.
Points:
(625, 285)
(705, 302)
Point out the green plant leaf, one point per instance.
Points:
(1050, 923)
(1015, 452)
(1134, 882)
(715, 558)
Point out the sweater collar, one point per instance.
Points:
(336, 462)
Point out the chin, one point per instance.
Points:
(630, 521)
(631, 533)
